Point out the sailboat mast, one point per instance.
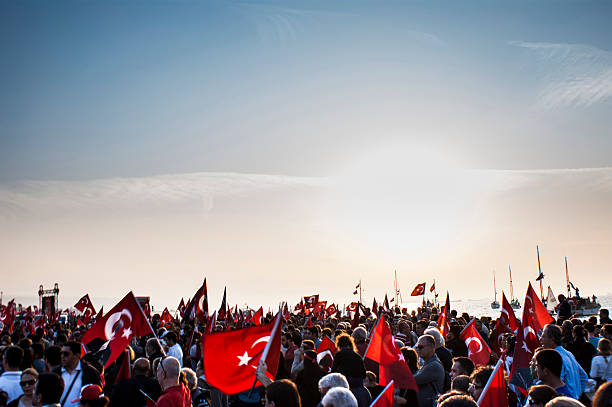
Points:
(511, 289)
(494, 286)
(569, 291)
(360, 292)
(540, 273)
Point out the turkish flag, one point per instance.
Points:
(257, 317)
(198, 306)
(353, 306)
(319, 307)
(494, 393)
(527, 342)
(443, 323)
(231, 357)
(418, 290)
(355, 321)
(478, 350)
(383, 350)
(181, 307)
(222, 313)
(386, 306)
(116, 329)
(498, 332)
(310, 301)
(166, 317)
(332, 309)
(538, 311)
(83, 303)
(326, 348)
(285, 312)
(507, 315)
(385, 398)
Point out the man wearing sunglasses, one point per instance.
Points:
(430, 377)
(76, 373)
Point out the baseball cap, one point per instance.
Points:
(90, 392)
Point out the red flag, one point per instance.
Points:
(125, 372)
(117, 328)
(308, 322)
(386, 306)
(310, 302)
(375, 307)
(507, 315)
(319, 307)
(84, 303)
(355, 321)
(285, 312)
(145, 305)
(418, 290)
(478, 350)
(198, 306)
(432, 288)
(498, 332)
(332, 309)
(181, 307)
(538, 311)
(231, 357)
(385, 398)
(494, 393)
(258, 317)
(166, 317)
(212, 321)
(352, 306)
(383, 350)
(300, 305)
(526, 343)
(443, 323)
(326, 348)
(222, 313)
(8, 314)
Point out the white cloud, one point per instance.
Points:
(576, 75)
(112, 195)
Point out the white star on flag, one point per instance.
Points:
(244, 359)
(126, 333)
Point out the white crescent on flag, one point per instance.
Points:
(109, 330)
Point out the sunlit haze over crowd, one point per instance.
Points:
(284, 149)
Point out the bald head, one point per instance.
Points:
(141, 367)
(168, 372)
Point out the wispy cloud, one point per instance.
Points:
(576, 75)
(118, 195)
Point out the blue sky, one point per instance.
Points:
(342, 125)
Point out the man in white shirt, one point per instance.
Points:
(174, 349)
(9, 380)
(75, 373)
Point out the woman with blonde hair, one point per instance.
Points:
(601, 366)
(29, 377)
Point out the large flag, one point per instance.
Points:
(116, 329)
(231, 357)
(319, 307)
(332, 309)
(352, 307)
(478, 350)
(385, 398)
(392, 366)
(418, 290)
(538, 311)
(197, 308)
(494, 393)
(443, 322)
(8, 314)
(507, 315)
(526, 343)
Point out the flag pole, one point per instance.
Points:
(373, 330)
(466, 327)
(264, 354)
(486, 388)
(152, 330)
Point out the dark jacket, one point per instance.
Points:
(127, 392)
(350, 365)
(90, 374)
(430, 379)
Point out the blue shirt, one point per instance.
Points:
(564, 391)
(594, 341)
(572, 374)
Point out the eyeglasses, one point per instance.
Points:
(27, 383)
(161, 364)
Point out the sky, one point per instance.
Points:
(286, 148)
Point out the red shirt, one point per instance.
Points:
(175, 396)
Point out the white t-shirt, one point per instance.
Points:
(176, 351)
(9, 382)
(601, 367)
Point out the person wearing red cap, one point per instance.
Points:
(92, 396)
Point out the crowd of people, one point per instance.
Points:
(573, 366)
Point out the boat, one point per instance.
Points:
(495, 303)
(551, 301)
(514, 302)
(581, 307)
